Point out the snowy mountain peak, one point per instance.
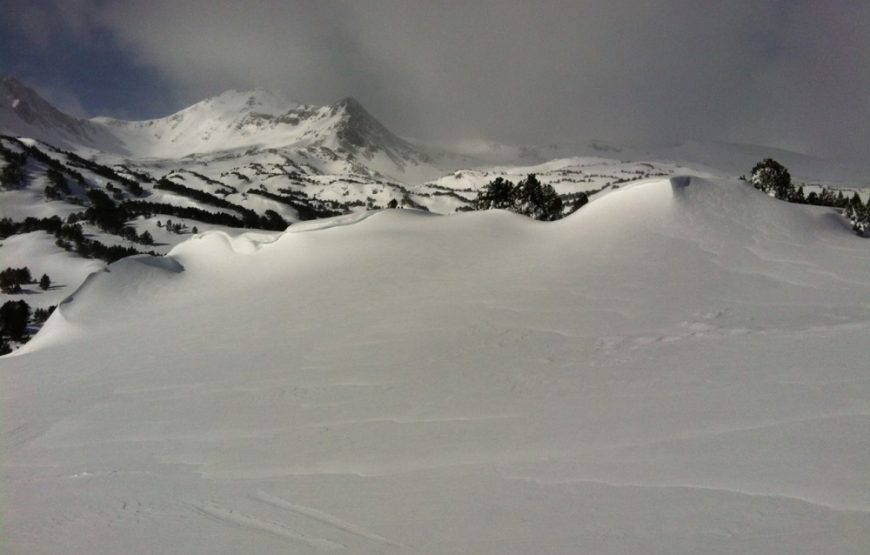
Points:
(358, 128)
(258, 119)
(352, 106)
(261, 119)
(235, 103)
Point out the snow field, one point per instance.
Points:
(680, 367)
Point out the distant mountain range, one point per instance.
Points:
(239, 142)
(254, 159)
(232, 121)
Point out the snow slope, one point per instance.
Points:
(679, 367)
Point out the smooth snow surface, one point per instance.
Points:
(679, 367)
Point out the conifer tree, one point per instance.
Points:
(771, 177)
(536, 200)
(827, 198)
(497, 194)
(798, 196)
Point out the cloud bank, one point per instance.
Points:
(794, 74)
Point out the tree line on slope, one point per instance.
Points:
(306, 208)
(528, 197)
(774, 179)
(531, 198)
(69, 236)
(271, 220)
(13, 174)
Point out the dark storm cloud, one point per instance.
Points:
(788, 73)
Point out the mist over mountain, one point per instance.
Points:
(794, 75)
(260, 119)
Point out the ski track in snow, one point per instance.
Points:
(230, 516)
(323, 517)
(285, 528)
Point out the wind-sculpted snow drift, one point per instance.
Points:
(679, 367)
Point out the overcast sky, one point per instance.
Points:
(790, 73)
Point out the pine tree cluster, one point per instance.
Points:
(11, 279)
(528, 197)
